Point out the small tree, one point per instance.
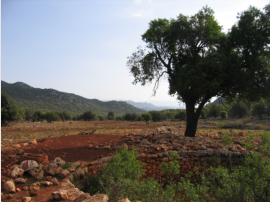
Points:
(9, 110)
(146, 117)
(181, 115)
(111, 115)
(238, 109)
(203, 114)
(223, 114)
(51, 116)
(259, 109)
(89, 115)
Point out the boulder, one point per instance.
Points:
(98, 198)
(46, 183)
(66, 184)
(55, 181)
(9, 186)
(26, 199)
(20, 181)
(28, 165)
(54, 171)
(20, 152)
(16, 172)
(34, 190)
(32, 142)
(59, 161)
(124, 200)
(60, 195)
(63, 173)
(83, 197)
(73, 193)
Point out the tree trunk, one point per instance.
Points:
(192, 120)
(192, 116)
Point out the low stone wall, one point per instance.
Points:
(188, 161)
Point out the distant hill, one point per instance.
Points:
(218, 101)
(28, 97)
(147, 106)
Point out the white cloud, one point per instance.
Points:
(138, 1)
(142, 13)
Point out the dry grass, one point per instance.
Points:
(21, 132)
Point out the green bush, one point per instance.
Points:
(223, 114)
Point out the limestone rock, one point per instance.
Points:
(49, 178)
(24, 144)
(20, 181)
(54, 171)
(16, 146)
(55, 181)
(28, 165)
(80, 173)
(18, 189)
(10, 196)
(124, 200)
(83, 197)
(9, 186)
(25, 188)
(59, 161)
(66, 184)
(46, 183)
(60, 195)
(32, 142)
(20, 152)
(63, 173)
(33, 190)
(39, 176)
(26, 199)
(73, 193)
(16, 172)
(98, 198)
(74, 166)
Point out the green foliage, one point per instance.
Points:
(203, 114)
(156, 116)
(51, 116)
(173, 168)
(181, 115)
(46, 100)
(9, 110)
(111, 115)
(227, 137)
(146, 117)
(238, 109)
(89, 115)
(223, 114)
(214, 110)
(265, 147)
(130, 117)
(201, 62)
(220, 124)
(66, 165)
(259, 109)
(249, 141)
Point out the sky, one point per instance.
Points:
(81, 46)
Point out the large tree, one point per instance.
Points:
(200, 61)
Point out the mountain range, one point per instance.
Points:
(28, 97)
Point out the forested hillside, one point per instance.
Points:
(28, 97)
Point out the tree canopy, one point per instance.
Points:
(200, 61)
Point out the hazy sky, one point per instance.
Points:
(81, 46)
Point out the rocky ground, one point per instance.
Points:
(61, 160)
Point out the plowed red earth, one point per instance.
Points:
(70, 148)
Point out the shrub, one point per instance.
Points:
(223, 114)
(259, 109)
(238, 109)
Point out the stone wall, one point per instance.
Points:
(187, 160)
